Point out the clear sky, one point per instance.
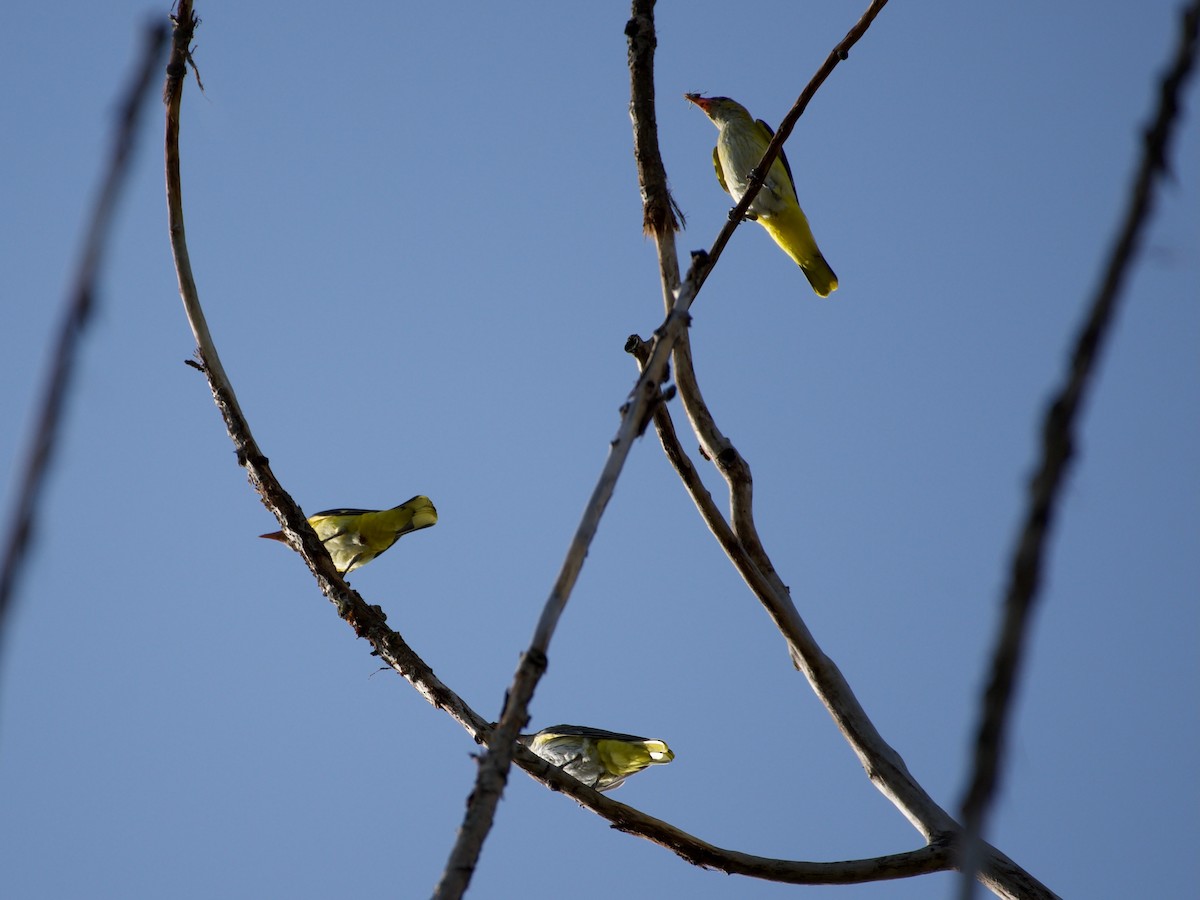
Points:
(416, 231)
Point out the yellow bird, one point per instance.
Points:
(600, 759)
(740, 146)
(354, 537)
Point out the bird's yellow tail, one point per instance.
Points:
(790, 231)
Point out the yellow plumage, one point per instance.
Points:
(600, 759)
(354, 537)
(740, 145)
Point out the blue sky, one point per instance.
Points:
(417, 235)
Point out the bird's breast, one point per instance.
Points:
(738, 159)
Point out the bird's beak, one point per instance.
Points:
(702, 102)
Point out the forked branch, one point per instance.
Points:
(738, 537)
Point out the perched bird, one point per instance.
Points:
(600, 759)
(740, 146)
(354, 537)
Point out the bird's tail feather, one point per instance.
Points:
(791, 232)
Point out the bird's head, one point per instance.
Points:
(719, 109)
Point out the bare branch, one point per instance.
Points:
(740, 540)
(659, 209)
(494, 767)
(1058, 441)
(745, 549)
(652, 174)
(1004, 876)
(367, 621)
(78, 308)
(932, 858)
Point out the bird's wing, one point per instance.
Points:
(787, 167)
(336, 523)
(720, 171)
(584, 731)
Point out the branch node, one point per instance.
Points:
(638, 348)
(537, 660)
(661, 331)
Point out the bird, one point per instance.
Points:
(776, 207)
(600, 759)
(354, 537)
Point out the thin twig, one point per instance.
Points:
(838, 54)
(1001, 873)
(367, 621)
(932, 858)
(79, 306)
(1059, 429)
(882, 763)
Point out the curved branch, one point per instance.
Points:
(1058, 441)
(367, 621)
(931, 858)
(1000, 873)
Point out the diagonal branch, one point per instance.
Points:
(494, 767)
(1059, 429)
(79, 306)
(837, 54)
(1001, 873)
(881, 761)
